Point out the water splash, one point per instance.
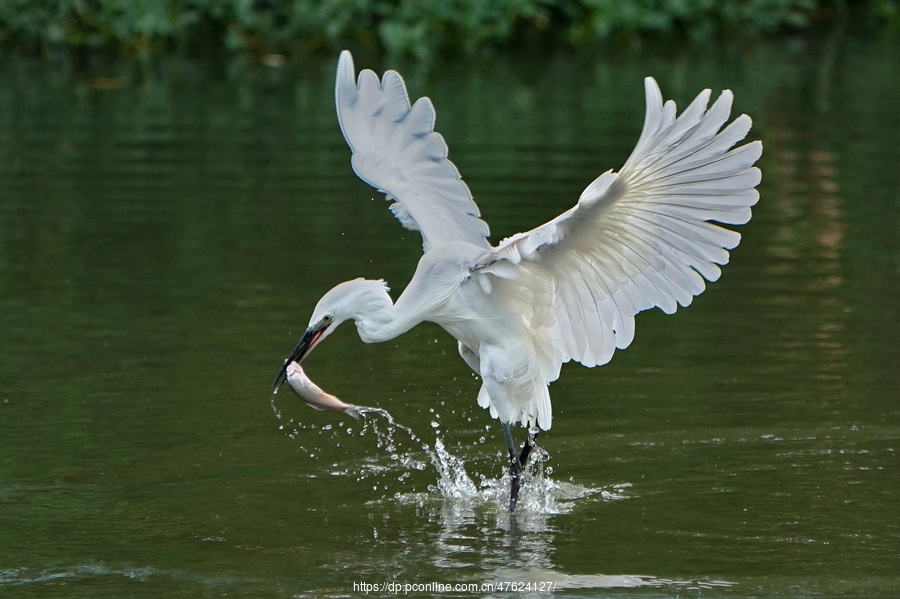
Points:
(539, 494)
(453, 480)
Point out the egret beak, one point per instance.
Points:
(307, 342)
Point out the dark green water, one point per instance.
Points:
(164, 238)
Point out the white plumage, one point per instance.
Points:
(636, 239)
(397, 151)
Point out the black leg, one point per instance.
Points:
(526, 449)
(515, 466)
(517, 461)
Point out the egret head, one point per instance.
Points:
(345, 301)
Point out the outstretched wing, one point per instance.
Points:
(397, 151)
(639, 238)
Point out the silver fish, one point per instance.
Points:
(309, 392)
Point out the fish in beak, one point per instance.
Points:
(307, 342)
(310, 393)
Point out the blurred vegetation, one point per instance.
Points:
(141, 28)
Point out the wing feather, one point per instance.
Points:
(640, 238)
(396, 150)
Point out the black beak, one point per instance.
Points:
(306, 343)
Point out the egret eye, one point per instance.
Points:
(327, 319)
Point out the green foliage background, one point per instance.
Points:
(418, 27)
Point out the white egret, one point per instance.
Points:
(569, 289)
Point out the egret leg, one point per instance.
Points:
(526, 449)
(517, 461)
(515, 465)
